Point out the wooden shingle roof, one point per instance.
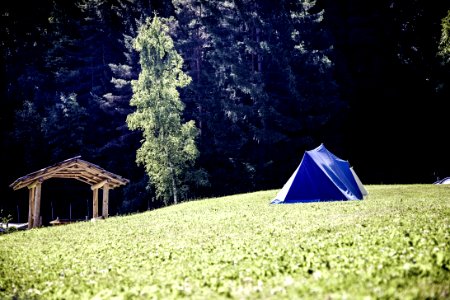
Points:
(74, 168)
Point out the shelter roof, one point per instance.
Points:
(74, 168)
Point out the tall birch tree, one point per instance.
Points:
(168, 147)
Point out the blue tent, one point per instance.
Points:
(321, 176)
(446, 180)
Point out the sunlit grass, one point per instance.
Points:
(394, 244)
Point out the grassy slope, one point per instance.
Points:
(395, 244)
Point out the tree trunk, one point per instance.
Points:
(174, 188)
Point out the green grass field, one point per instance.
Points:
(393, 245)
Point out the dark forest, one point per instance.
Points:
(269, 80)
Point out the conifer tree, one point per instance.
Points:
(168, 147)
(68, 117)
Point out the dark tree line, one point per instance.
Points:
(269, 81)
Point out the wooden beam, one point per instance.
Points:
(31, 193)
(34, 184)
(37, 205)
(95, 203)
(99, 185)
(105, 201)
(71, 168)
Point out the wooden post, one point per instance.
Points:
(37, 205)
(31, 192)
(105, 200)
(95, 203)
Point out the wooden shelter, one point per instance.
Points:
(74, 168)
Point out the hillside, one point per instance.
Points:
(394, 244)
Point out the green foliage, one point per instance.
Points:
(4, 223)
(5, 219)
(444, 46)
(262, 84)
(393, 245)
(270, 79)
(168, 149)
(27, 121)
(64, 127)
